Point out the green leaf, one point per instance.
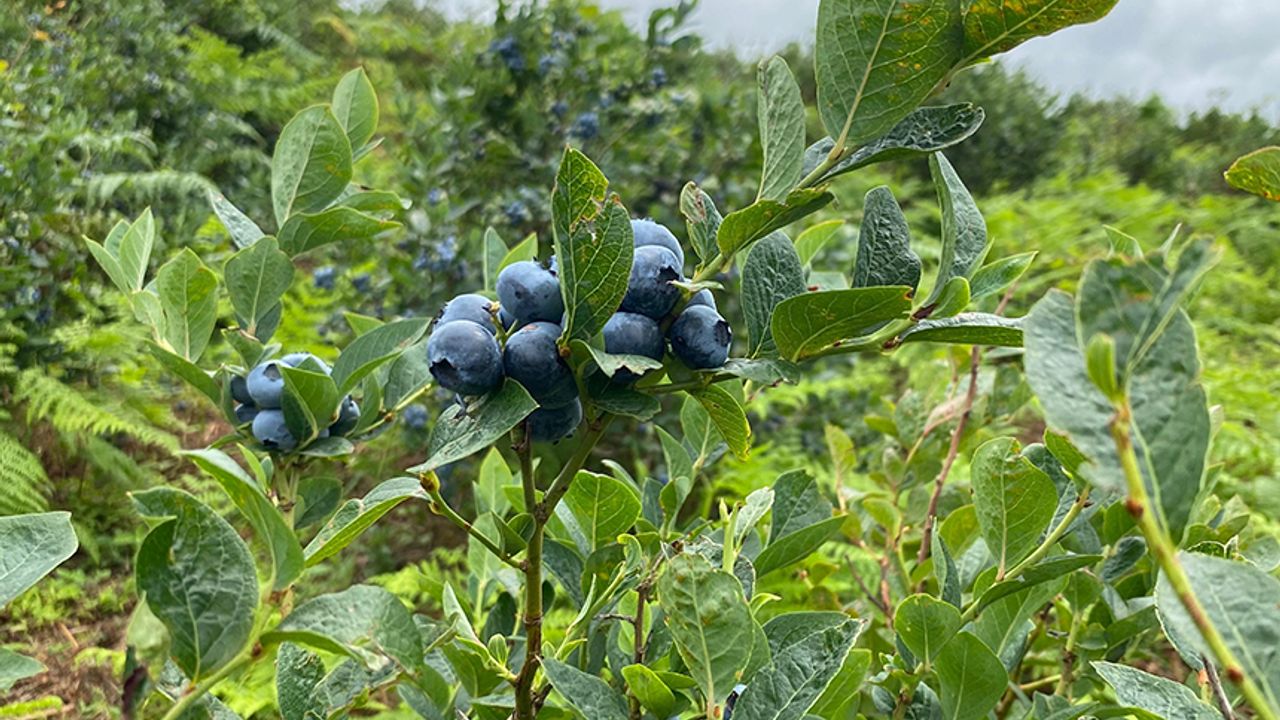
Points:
(885, 256)
(355, 516)
(1003, 623)
(1014, 499)
(314, 393)
(588, 694)
(617, 399)
(494, 250)
(953, 298)
(971, 677)
(964, 232)
(806, 324)
(198, 578)
(649, 689)
(305, 231)
(374, 348)
(252, 502)
(1257, 173)
(1241, 601)
(355, 105)
(1042, 572)
(772, 273)
(298, 672)
(1169, 408)
(494, 475)
(967, 329)
(797, 675)
(702, 218)
(762, 371)
(710, 624)
(462, 431)
(995, 26)
(365, 622)
(134, 250)
(30, 547)
(244, 232)
(843, 691)
(876, 60)
(814, 238)
(526, 249)
(743, 227)
(15, 667)
(728, 416)
(1161, 696)
(926, 130)
(311, 165)
(593, 245)
(925, 624)
(679, 471)
(257, 277)
(189, 302)
(611, 364)
(798, 504)
(781, 118)
(110, 265)
(997, 276)
(318, 497)
(796, 546)
(187, 370)
(603, 505)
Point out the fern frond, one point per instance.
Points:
(71, 413)
(23, 482)
(147, 186)
(128, 143)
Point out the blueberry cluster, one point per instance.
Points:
(699, 336)
(260, 396)
(466, 357)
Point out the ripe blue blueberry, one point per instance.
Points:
(415, 416)
(507, 319)
(700, 338)
(265, 382)
(647, 232)
(554, 424)
(270, 429)
(240, 390)
(471, 307)
(532, 359)
(464, 358)
(530, 292)
(586, 125)
(649, 291)
(348, 417)
(633, 334)
(245, 413)
(361, 282)
(703, 297)
(324, 277)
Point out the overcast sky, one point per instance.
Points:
(1194, 53)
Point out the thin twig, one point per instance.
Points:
(1219, 694)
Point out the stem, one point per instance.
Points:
(441, 507)
(1219, 694)
(526, 699)
(1164, 551)
(202, 688)
(1066, 679)
(931, 517)
(1053, 537)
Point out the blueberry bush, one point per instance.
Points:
(1034, 590)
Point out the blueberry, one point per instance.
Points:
(245, 413)
(300, 360)
(530, 292)
(703, 297)
(532, 359)
(554, 424)
(559, 108)
(649, 291)
(632, 334)
(348, 417)
(361, 282)
(324, 277)
(586, 126)
(700, 338)
(647, 232)
(240, 390)
(270, 430)
(415, 416)
(506, 318)
(465, 358)
(658, 78)
(434, 196)
(471, 307)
